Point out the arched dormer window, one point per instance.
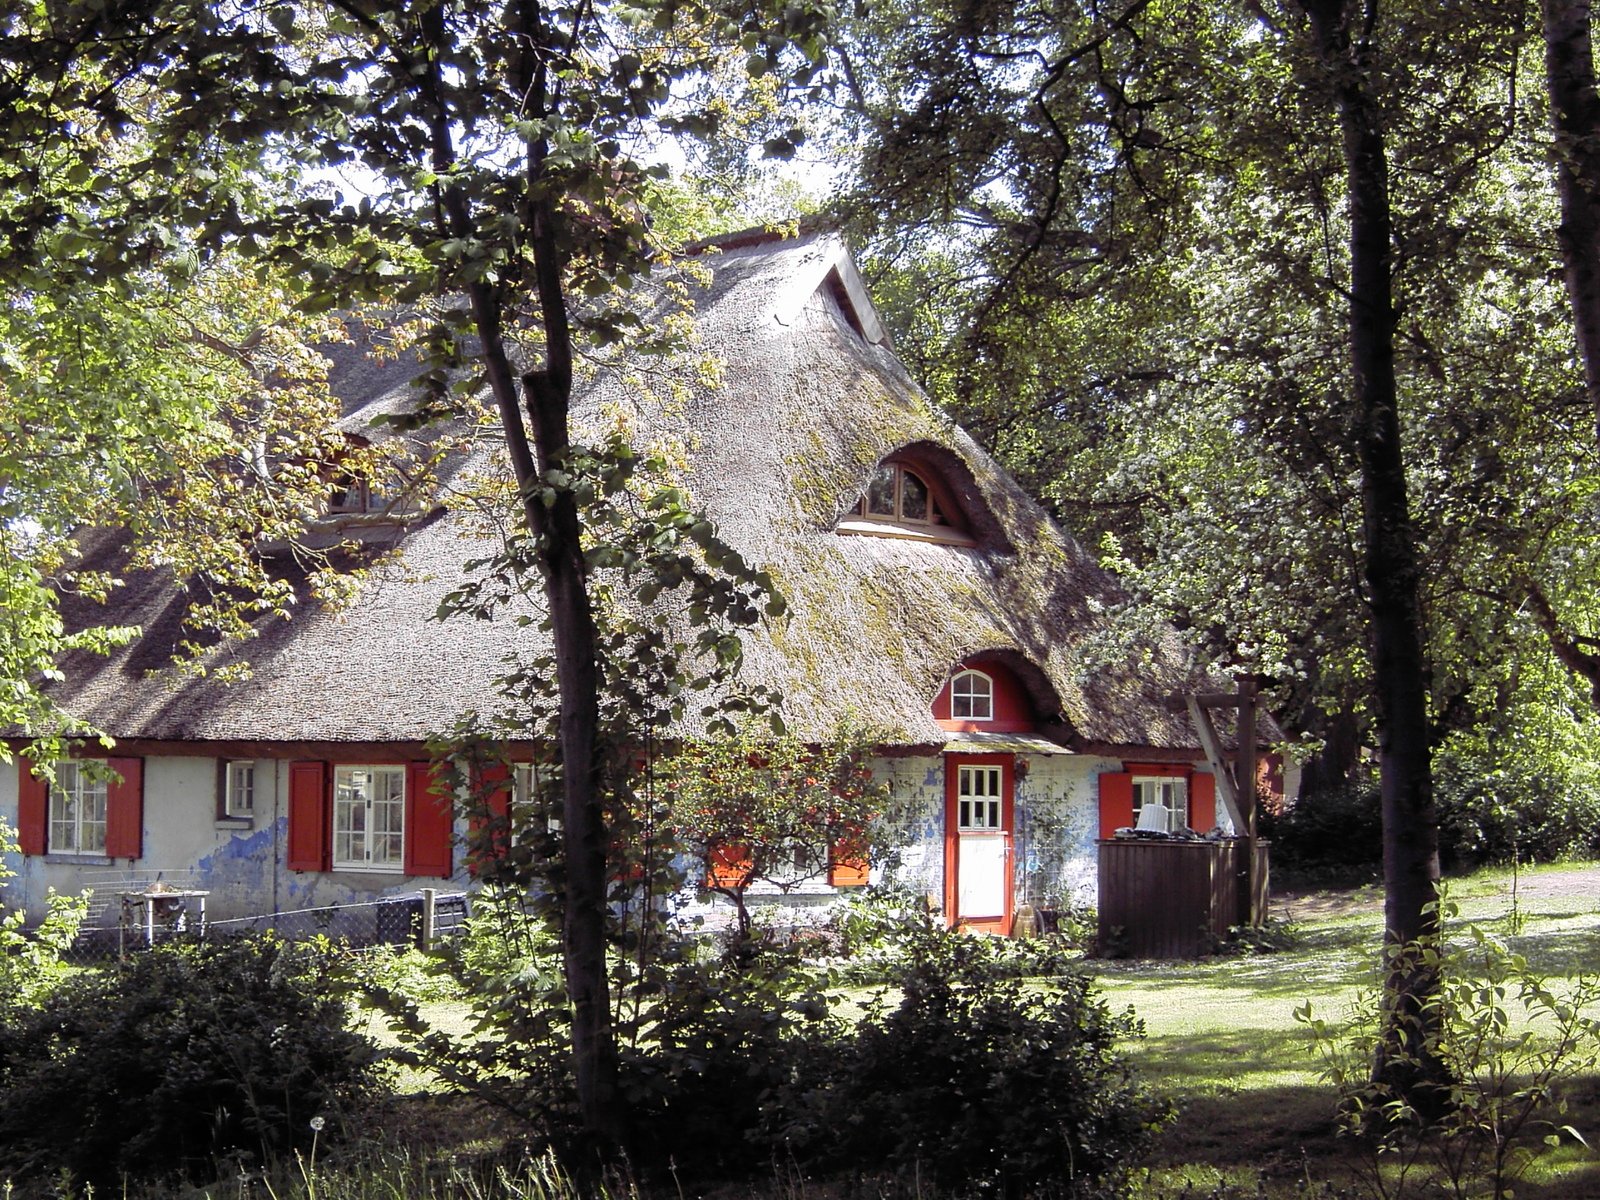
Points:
(985, 696)
(903, 501)
(897, 493)
(972, 697)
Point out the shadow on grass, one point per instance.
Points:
(1274, 1129)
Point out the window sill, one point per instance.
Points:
(77, 860)
(940, 535)
(236, 822)
(365, 869)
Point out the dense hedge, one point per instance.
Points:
(178, 1059)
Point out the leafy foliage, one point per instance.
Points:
(771, 809)
(177, 1059)
(1527, 790)
(969, 1076)
(31, 961)
(1512, 1042)
(1337, 831)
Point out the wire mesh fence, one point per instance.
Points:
(129, 915)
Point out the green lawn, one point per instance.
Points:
(1222, 1039)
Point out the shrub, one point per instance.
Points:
(31, 959)
(726, 1038)
(183, 1055)
(1330, 833)
(1494, 808)
(977, 1078)
(1513, 1043)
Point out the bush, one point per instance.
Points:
(182, 1056)
(977, 1078)
(726, 1038)
(1494, 810)
(31, 960)
(1333, 833)
(1513, 1044)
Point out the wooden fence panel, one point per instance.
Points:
(1171, 899)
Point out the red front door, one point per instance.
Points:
(979, 813)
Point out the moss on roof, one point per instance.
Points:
(786, 444)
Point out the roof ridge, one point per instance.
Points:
(768, 232)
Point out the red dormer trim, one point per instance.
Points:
(1013, 711)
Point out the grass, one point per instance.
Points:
(1221, 1039)
(1255, 1119)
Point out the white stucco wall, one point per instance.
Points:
(239, 862)
(1056, 825)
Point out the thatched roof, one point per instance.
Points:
(812, 399)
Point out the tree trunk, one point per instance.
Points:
(561, 562)
(1407, 1059)
(1575, 113)
(552, 517)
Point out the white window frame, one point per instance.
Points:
(1160, 789)
(239, 788)
(75, 797)
(391, 805)
(980, 798)
(972, 696)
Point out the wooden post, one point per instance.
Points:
(1236, 786)
(1245, 779)
(428, 894)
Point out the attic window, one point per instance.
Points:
(901, 502)
(972, 697)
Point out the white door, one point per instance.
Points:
(981, 876)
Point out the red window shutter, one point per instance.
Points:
(125, 809)
(429, 823)
(33, 808)
(1116, 802)
(847, 861)
(310, 817)
(847, 867)
(729, 865)
(494, 790)
(1202, 802)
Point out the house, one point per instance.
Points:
(927, 592)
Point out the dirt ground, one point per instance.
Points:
(1576, 881)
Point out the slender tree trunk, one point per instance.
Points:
(552, 516)
(1575, 112)
(1408, 1057)
(548, 396)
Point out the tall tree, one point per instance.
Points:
(1575, 117)
(497, 149)
(1158, 265)
(1343, 33)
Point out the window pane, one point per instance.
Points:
(972, 697)
(241, 788)
(880, 496)
(92, 821)
(913, 498)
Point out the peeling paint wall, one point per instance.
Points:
(239, 862)
(1053, 842)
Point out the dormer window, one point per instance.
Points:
(898, 493)
(902, 501)
(972, 697)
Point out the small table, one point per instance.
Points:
(168, 908)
